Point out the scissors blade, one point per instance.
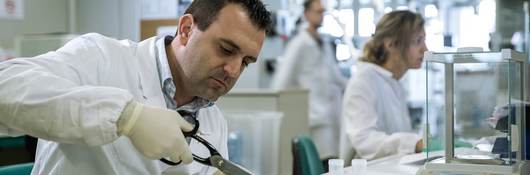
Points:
(228, 167)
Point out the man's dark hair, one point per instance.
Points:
(307, 4)
(205, 12)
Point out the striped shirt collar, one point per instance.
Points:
(166, 80)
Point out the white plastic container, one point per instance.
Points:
(336, 166)
(358, 166)
(259, 133)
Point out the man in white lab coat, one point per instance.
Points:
(103, 106)
(308, 63)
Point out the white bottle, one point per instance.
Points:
(336, 166)
(358, 166)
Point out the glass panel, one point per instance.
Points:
(518, 107)
(478, 89)
(483, 92)
(435, 110)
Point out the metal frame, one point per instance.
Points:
(449, 113)
(505, 56)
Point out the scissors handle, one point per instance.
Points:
(211, 149)
(205, 161)
(191, 133)
(169, 162)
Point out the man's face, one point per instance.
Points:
(315, 14)
(213, 59)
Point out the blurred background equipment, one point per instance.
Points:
(248, 104)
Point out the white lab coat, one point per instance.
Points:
(73, 97)
(306, 65)
(376, 120)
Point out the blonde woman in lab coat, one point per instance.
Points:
(376, 120)
(308, 63)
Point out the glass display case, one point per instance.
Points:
(475, 111)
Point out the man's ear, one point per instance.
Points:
(306, 16)
(184, 28)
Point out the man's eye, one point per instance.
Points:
(226, 51)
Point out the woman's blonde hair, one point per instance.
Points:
(396, 26)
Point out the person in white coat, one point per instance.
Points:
(376, 120)
(308, 62)
(103, 106)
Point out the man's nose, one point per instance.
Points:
(233, 67)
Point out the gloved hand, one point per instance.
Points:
(155, 132)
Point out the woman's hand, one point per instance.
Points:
(419, 146)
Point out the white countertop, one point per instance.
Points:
(385, 166)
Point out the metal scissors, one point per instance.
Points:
(215, 160)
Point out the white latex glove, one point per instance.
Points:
(155, 132)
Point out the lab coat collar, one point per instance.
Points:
(163, 66)
(166, 81)
(313, 41)
(377, 68)
(164, 72)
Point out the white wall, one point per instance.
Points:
(255, 75)
(40, 16)
(115, 18)
(276, 4)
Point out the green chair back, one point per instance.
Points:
(17, 169)
(306, 160)
(12, 142)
